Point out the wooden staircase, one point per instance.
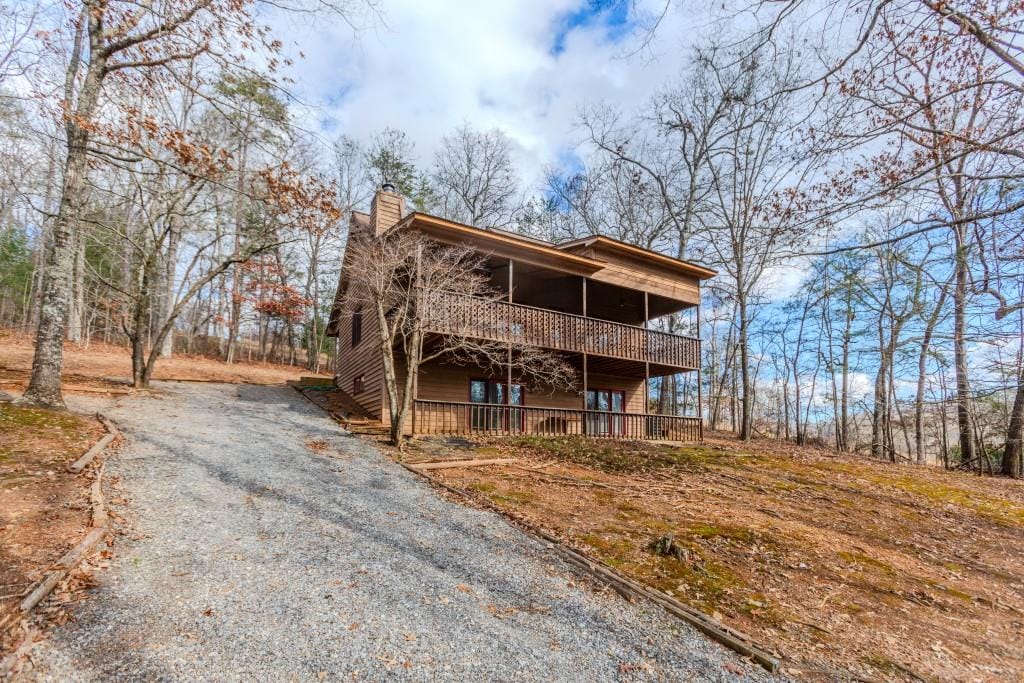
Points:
(340, 406)
(374, 428)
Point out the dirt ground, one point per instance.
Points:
(44, 510)
(849, 569)
(108, 368)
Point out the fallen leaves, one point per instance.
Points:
(843, 565)
(733, 668)
(45, 510)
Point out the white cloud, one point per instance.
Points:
(431, 66)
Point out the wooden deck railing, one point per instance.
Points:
(441, 417)
(502, 321)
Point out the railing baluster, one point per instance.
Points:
(446, 417)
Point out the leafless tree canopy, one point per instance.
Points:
(475, 177)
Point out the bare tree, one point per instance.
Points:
(756, 163)
(612, 197)
(120, 42)
(475, 178)
(401, 277)
(934, 92)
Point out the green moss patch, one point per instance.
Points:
(13, 417)
(865, 561)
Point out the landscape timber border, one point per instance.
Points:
(99, 527)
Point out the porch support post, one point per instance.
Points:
(700, 396)
(508, 385)
(583, 423)
(647, 363)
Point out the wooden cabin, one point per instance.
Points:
(590, 300)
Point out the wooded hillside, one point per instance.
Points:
(858, 192)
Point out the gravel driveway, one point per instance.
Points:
(251, 555)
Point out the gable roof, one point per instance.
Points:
(502, 243)
(577, 257)
(566, 255)
(608, 243)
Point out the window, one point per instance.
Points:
(357, 326)
(357, 385)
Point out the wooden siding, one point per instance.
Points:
(632, 273)
(443, 407)
(447, 382)
(386, 211)
(363, 359)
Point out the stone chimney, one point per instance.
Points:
(387, 209)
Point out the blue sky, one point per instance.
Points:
(612, 15)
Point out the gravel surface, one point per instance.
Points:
(264, 543)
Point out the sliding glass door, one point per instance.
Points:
(606, 401)
(491, 417)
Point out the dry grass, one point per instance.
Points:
(844, 566)
(102, 366)
(43, 509)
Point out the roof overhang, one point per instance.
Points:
(677, 265)
(502, 244)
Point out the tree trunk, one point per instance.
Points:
(44, 387)
(963, 387)
(1013, 451)
(666, 391)
(880, 409)
(236, 276)
(785, 406)
(844, 396)
(746, 418)
(167, 292)
(76, 300)
(922, 364)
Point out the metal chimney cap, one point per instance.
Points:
(388, 186)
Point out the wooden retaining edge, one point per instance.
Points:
(344, 422)
(112, 433)
(448, 464)
(629, 589)
(70, 559)
(75, 388)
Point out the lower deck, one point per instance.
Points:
(462, 400)
(446, 417)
